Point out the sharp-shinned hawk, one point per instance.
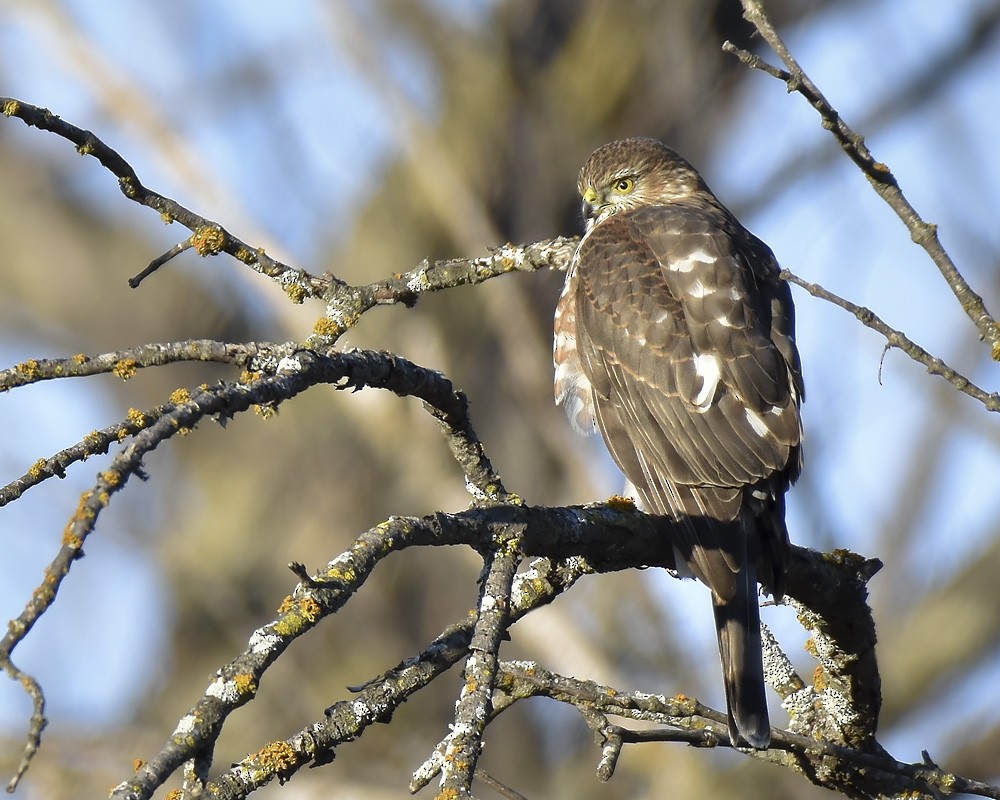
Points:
(674, 336)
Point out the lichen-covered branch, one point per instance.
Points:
(293, 374)
(829, 592)
(207, 237)
(475, 702)
(852, 772)
(125, 363)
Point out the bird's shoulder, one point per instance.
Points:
(681, 238)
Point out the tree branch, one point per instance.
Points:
(208, 237)
(877, 173)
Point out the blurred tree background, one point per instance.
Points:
(361, 137)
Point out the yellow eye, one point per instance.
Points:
(624, 185)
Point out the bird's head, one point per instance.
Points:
(631, 173)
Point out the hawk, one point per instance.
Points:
(674, 336)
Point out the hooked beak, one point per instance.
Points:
(592, 204)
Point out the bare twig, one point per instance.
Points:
(899, 340)
(878, 174)
(160, 260)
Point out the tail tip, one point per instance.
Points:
(756, 733)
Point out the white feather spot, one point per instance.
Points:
(707, 367)
(693, 258)
(698, 289)
(724, 321)
(575, 394)
(756, 422)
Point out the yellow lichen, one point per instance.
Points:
(245, 683)
(126, 368)
(137, 418)
(180, 396)
(81, 358)
(93, 442)
(249, 377)
(11, 107)
(326, 327)
(265, 411)
(167, 217)
(137, 764)
(291, 625)
(296, 293)
(286, 605)
(30, 369)
(71, 540)
(112, 477)
(208, 240)
(36, 470)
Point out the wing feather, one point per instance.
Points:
(653, 338)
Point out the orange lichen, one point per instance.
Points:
(276, 757)
(310, 609)
(620, 503)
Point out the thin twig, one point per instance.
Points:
(899, 340)
(159, 261)
(208, 238)
(878, 174)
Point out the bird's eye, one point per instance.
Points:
(624, 185)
